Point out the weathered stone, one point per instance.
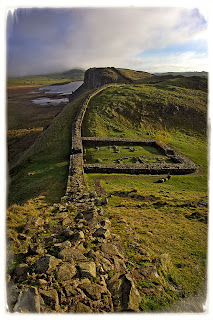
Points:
(79, 216)
(101, 232)
(35, 249)
(91, 254)
(69, 290)
(107, 266)
(62, 245)
(80, 225)
(87, 269)
(70, 254)
(119, 265)
(111, 250)
(51, 239)
(77, 236)
(93, 291)
(105, 223)
(12, 294)
(132, 299)
(104, 201)
(80, 308)
(62, 215)
(67, 233)
(34, 222)
(81, 248)
(93, 194)
(66, 221)
(28, 301)
(41, 282)
(50, 298)
(124, 293)
(46, 264)
(65, 272)
(114, 285)
(21, 269)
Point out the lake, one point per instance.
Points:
(46, 101)
(63, 88)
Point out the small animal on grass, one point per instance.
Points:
(164, 179)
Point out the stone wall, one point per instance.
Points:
(76, 180)
(181, 165)
(89, 141)
(174, 169)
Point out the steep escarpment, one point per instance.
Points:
(96, 77)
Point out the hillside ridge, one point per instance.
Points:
(73, 259)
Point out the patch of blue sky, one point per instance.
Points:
(192, 19)
(197, 46)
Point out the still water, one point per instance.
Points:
(46, 101)
(63, 88)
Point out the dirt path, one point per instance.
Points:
(100, 190)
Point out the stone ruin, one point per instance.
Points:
(180, 165)
(81, 267)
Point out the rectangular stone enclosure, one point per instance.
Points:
(133, 156)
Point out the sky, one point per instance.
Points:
(152, 39)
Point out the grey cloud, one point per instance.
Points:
(48, 40)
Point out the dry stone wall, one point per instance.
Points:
(80, 266)
(91, 141)
(175, 169)
(181, 165)
(76, 180)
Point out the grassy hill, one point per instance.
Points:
(169, 220)
(96, 77)
(186, 74)
(47, 79)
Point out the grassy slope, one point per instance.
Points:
(169, 223)
(43, 169)
(134, 75)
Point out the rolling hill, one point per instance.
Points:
(162, 227)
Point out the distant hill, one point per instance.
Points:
(185, 74)
(74, 73)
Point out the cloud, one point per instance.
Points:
(48, 40)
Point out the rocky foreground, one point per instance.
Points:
(79, 268)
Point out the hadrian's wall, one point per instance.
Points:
(76, 179)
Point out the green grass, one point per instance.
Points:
(135, 110)
(125, 154)
(167, 220)
(35, 81)
(43, 168)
